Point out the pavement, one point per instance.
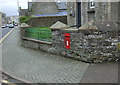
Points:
(101, 73)
(34, 66)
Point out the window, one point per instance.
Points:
(91, 4)
(58, 2)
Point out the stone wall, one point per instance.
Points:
(92, 46)
(119, 11)
(39, 8)
(46, 21)
(71, 17)
(89, 46)
(114, 10)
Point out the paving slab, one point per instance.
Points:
(36, 66)
(101, 73)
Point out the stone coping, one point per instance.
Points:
(100, 26)
(70, 30)
(24, 25)
(59, 25)
(39, 41)
(49, 16)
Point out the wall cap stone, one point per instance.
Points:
(59, 25)
(39, 41)
(107, 25)
(70, 30)
(100, 26)
(88, 26)
(48, 16)
(24, 25)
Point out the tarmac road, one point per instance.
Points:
(9, 80)
(5, 31)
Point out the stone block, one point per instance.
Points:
(30, 44)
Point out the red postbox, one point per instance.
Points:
(67, 40)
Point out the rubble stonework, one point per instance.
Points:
(92, 47)
(87, 45)
(46, 21)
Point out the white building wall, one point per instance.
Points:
(0, 19)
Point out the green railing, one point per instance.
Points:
(39, 34)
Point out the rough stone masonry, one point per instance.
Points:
(87, 44)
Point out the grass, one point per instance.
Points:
(24, 19)
(39, 33)
(43, 28)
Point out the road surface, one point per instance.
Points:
(4, 79)
(5, 31)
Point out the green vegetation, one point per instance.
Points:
(43, 34)
(24, 19)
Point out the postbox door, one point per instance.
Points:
(67, 40)
(67, 43)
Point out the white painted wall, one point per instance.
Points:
(0, 19)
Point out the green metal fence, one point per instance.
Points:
(39, 34)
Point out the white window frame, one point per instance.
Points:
(58, 2)
(92, 4)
